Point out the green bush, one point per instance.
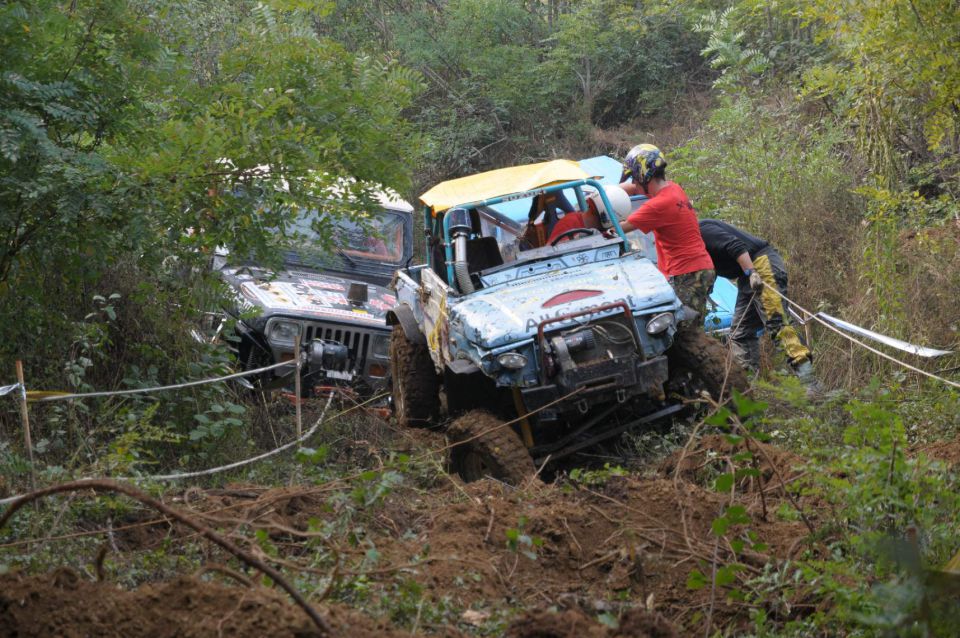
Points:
(764, 167)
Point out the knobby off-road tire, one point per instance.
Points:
(706, 359)
(416, 385)
(254, 356)
(489, 448)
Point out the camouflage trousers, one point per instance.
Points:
(766, 311)
(693, 289)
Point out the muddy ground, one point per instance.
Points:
(621, 550)
(61, 604)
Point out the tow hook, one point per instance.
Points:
(583, 406)
(621, 395)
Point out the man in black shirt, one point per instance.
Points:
(753, 262)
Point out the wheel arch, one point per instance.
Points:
(402, 315)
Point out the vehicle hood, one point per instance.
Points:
(510, 312)
(309, 295)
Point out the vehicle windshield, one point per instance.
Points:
(375, 236)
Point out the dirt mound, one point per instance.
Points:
(713, 455)
(946, 451)
(639, 623)
(632, 539)
(547, 624)
(635, 623)
(627, 545)
(63, 604)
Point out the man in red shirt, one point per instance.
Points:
(681, 254)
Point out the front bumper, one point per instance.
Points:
(368, 367)
(613, 381)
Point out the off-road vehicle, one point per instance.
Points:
(585, 336)
(331, 303)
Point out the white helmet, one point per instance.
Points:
(622, 206)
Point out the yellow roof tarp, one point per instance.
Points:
(503, 181)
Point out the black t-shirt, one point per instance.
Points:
(725, 243)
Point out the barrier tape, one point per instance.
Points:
(920, 351)
(44, 396)
(223, 468)
(843, 334)
(7, 389)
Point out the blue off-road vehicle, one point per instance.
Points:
(534, 350)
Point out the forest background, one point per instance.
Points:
(830, 128)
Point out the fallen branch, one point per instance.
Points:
(225, 571)
(104, 485)
(599, 560)
(783, 484)
(486, 537)
(98, 562)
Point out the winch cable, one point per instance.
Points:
(42, 396)
(601, 327)
(863, 345)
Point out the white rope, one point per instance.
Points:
(862, 344)
(222, 468)
(176, 386)
(7, 389)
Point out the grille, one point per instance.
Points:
(610, 337)
(357, 341)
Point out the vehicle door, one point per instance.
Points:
(433, 300)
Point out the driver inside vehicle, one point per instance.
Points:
(594, 219)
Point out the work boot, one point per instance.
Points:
(747, 354)
(804, 372)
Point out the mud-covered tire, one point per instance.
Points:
(708, 362)
(488, 449)
(415, 384)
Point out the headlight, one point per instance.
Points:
(283, 332)
(512, 360)
(380, 348)
(660, 323)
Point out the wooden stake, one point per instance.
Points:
(25, 418)
(296, 391)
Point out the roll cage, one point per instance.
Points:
(438, 223)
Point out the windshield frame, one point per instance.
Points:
(577, 185)
(295, 253)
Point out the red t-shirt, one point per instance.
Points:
(671, 217)
(567, 222)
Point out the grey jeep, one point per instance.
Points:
(330, 304)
